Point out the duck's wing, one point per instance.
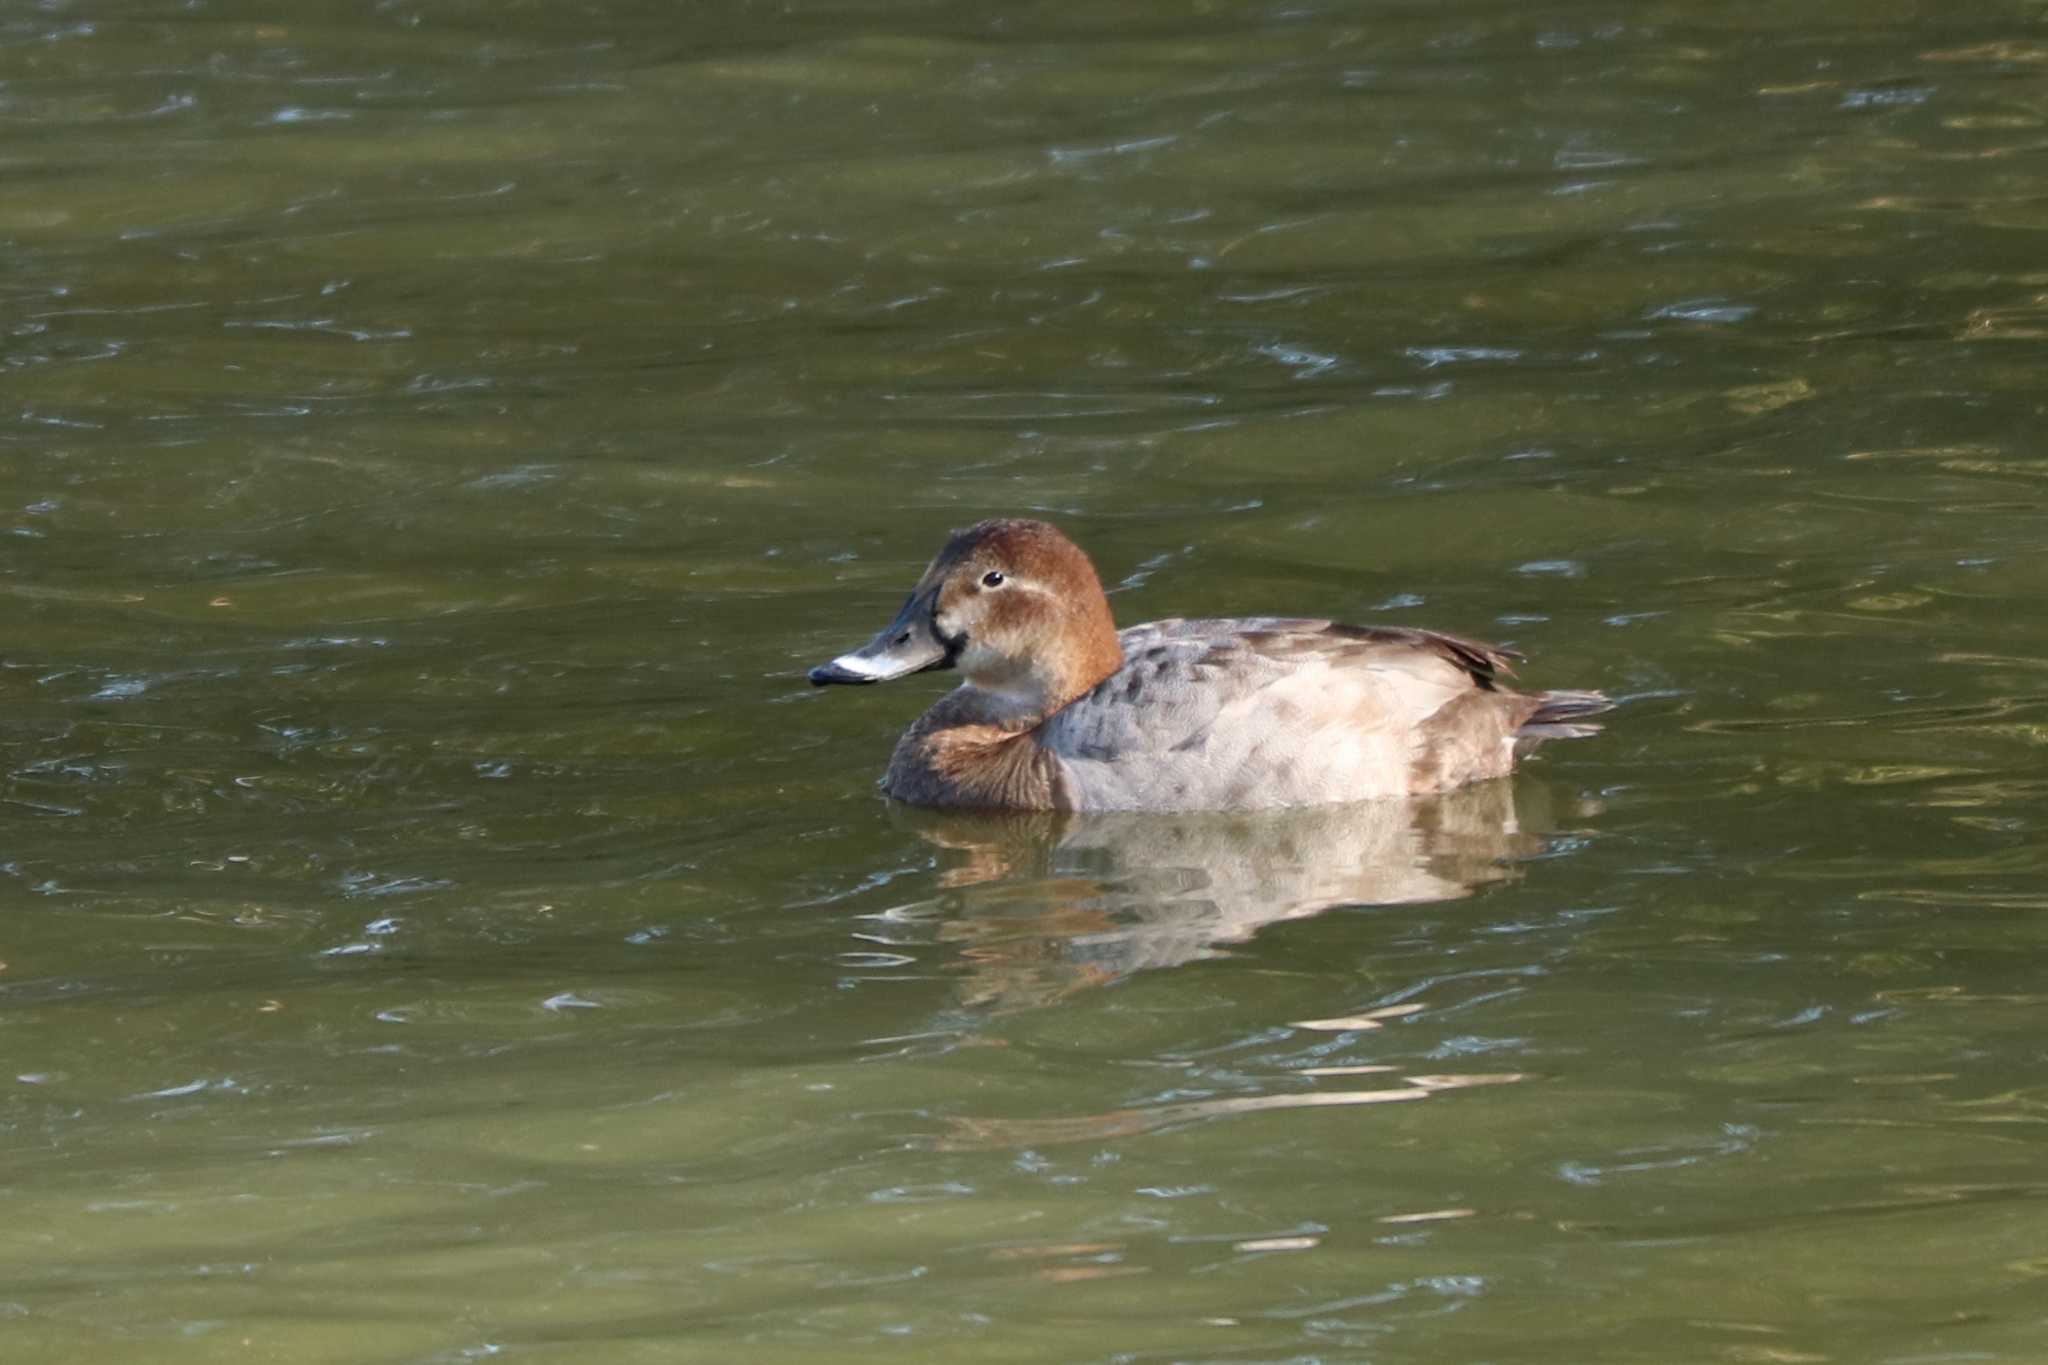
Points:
(1231, 714)
(1295, 637)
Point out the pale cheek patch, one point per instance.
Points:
(979, 660)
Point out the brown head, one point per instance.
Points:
(1014, 605)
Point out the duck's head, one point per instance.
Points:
(1014, 605)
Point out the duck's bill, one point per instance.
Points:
(911, 644)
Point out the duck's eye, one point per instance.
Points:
(992, 579)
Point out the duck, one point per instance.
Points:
(1059, 710)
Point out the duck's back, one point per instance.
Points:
(1268, 711)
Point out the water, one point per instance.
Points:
(440, 923)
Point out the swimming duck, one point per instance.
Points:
(1059, 710)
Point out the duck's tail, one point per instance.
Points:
(1561, 715)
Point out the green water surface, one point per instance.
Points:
(437, 922)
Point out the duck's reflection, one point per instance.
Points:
(1052, 903)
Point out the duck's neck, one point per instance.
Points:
(1097, 654)
(1018, 689)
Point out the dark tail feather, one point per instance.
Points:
(1560, 715)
